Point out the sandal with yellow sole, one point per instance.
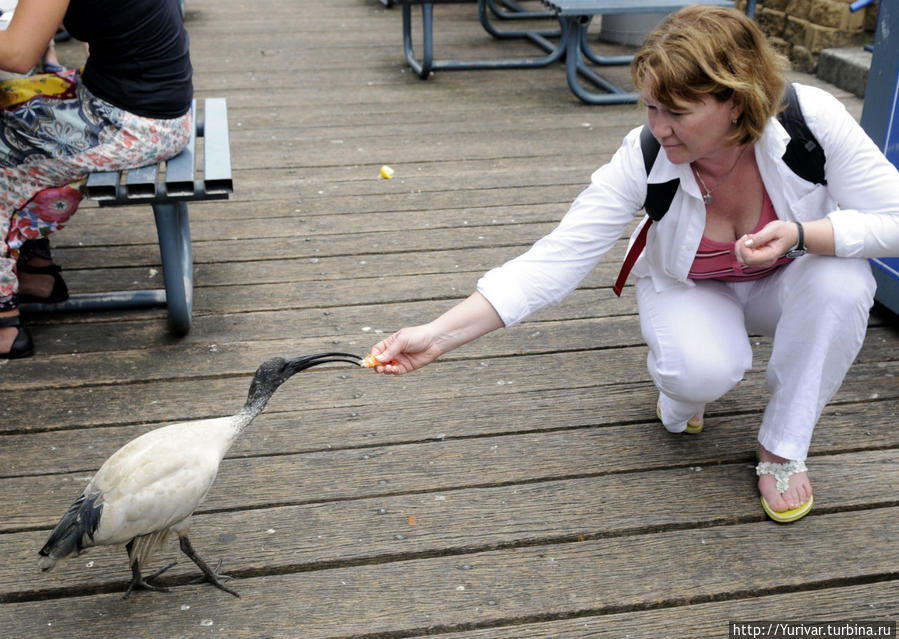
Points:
(694, 426)
(782, 473)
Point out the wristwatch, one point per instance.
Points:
(798, 249)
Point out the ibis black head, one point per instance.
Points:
(274, 372)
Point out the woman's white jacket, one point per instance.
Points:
(861, 198)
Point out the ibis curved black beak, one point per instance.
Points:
(298, 364)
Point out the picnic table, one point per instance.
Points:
(574, 17)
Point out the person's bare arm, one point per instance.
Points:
(413, 347)
(32, 27)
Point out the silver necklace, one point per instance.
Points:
(707, 196)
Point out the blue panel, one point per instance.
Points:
(880, 118)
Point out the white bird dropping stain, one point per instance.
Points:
(206, 622)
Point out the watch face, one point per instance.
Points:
(795, 253)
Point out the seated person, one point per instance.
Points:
(128, 107)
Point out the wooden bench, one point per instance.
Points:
(168, 187)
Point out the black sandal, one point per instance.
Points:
(23, 345)
(60, 292)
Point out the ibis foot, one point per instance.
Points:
(139, 582)
(210, 575)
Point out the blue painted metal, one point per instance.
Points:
(173, 229)
(880, 118)
(750, 9)
(860, 4)
(516, 11)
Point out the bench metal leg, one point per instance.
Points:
(173, 228)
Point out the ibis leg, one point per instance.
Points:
(139, 582)
(212, 576)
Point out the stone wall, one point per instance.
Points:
(801, 29)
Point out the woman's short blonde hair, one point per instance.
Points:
(703, 50)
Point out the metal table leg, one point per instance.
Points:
(575, 31)
(426, 64)
(537, 36)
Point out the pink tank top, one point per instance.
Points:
(717, 260)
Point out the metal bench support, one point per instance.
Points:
(169, 199)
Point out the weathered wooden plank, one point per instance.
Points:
(545, 346)
(456, 521)
(353, 277)
(231, 357)
(66, 333)
(880, 601)
(63, 334)
(436, 459)
(205, 396)
(85, 448)
(440, 594)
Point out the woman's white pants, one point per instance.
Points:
(816, 309)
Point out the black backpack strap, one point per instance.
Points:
(658, 196)
(804, 154)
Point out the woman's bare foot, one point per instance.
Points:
(695, 423)
(798, 490)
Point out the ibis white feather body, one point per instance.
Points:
(157, 480)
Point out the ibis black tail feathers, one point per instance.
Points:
(74, 532)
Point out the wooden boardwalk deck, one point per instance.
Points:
(519, 488)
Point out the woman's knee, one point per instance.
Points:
(837, 284)
(702, 375)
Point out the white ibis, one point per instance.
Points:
(153, 484)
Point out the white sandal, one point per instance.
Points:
(781, 474)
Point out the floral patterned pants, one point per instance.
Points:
(51, 138)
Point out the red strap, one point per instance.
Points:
(632, 254)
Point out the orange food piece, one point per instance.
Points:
(370, 361)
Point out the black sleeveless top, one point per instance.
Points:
(139, 57)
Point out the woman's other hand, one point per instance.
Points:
(764, 248)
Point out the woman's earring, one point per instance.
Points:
(734, 121)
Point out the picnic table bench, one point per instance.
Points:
(574, 18)
(426, 64)
(168, 187)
